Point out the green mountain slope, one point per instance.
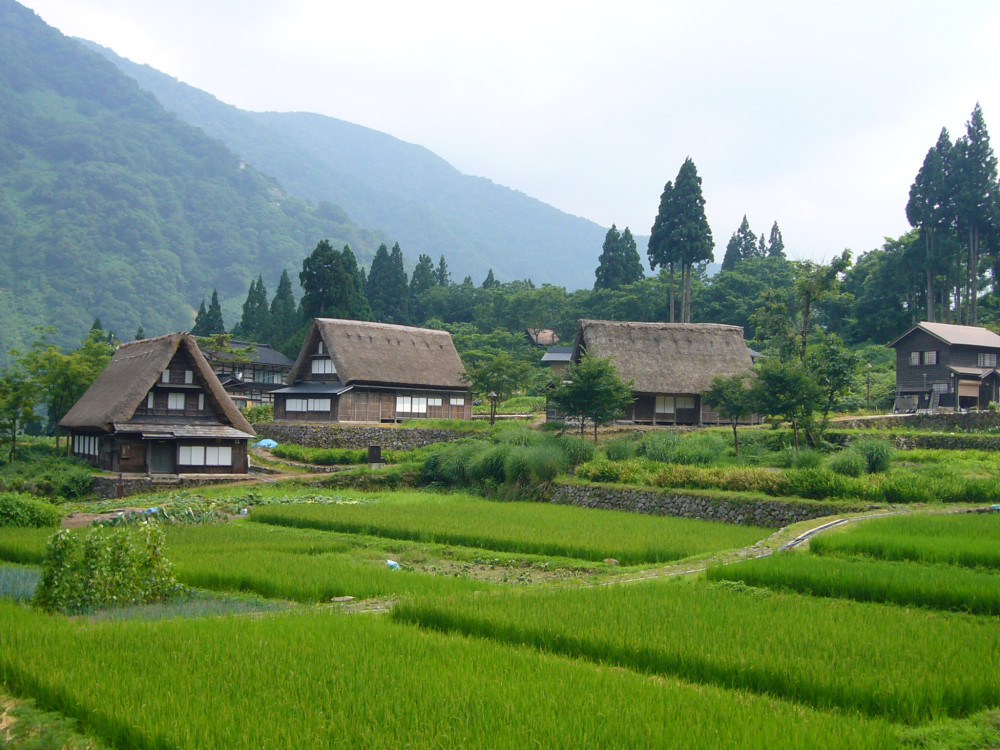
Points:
(405, 190)
(110, 206)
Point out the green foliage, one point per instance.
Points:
(698, 448)
(259, 414)
(331, 285)
(620, 449)
(209, 322)
(104, 569)
(18, 509)
(849, 462)
(42, 470)
(658, 446)
(255, 324)
(877, 453)
(577, 450)
(593, 392)
(619, 263)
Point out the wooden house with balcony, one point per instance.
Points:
(248, 371)
(158, 408)
(357, 371)
(946, 365)
(671, 365)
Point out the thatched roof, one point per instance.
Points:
(383, 354)
(132, 371)
(666, 357)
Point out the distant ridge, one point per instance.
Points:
(402, 189)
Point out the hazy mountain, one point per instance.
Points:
(406, 191)
(111, 206)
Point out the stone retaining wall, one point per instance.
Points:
(355, 436)
(907, 441)
(745, 512)
(106, 487)
(973, 420)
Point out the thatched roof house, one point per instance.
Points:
(671, 365)
(358, 371)
(158, 408)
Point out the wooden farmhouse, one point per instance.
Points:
(249, 372)
(158, 408)
(940, 364)
(671, 365)
(355, 371)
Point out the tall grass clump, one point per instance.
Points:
(515, 434)
(699, 448)
(26, 511)
(878, 454)
(658, 446)
(487, 466)
(578, 450)
(368, 682)
(546, 462)
(620, 449)
(829, 654)
(848, 463)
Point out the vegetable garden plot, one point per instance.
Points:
(905, 665)
(527, 528)
(322, 680)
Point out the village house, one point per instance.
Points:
(356, 371)
(158, 408)
(946, 365)
(671, 365)
(249, 372)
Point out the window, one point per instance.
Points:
(987, 360)
(434, 401)
(150, 401)
(930, 358)
(914, 359)
(665, 404)
(685, 402)
(188, 377)
(87, 445)
(319, 404)
(323, 367)
(403, 404)
(201, 402)
(939, 387)
(458, 400)
(175, 401)
(319, 348)
(192, 455)
(221, 455)
(296, 404)
(165, 377)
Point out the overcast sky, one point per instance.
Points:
(817, 117)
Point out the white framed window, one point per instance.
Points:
(930, 358)
(434, 401)
(987, 359)
(175, 401)
(914, 359)
(296, 404)
(165, 376)
(201, 402)
(685, 402)
(86, 445)
(319, 404)
(939, 387)
(665, 404)
(150, 401)
(457, 400)
(188, 377)
(218, 455)
(191, 455)
(319, 348)
(323, 367)
(403, 404)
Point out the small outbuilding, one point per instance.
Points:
(671, 365)
(158, 408)
(358, 371)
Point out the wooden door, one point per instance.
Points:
(162, 457)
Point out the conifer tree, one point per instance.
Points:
(775, 244)
(198, 329)
(96, 325)
(742, 245)
(139, 334)
(619, 262)
(660, 250)
(424, 276)
(388, 287)
(928, 208)
(331, 285)
(284, 316)
(490, 281)
(443, 277)
(213, 318)
(254, 324)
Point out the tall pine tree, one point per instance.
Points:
(255, 323)
(284, 318)
(775, 244)
(619, 263)
(331, 285)
(742, 245)
(660, 250)
(443, 277)
(388, 288)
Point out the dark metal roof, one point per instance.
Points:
(263, 355)
(315, 387)
(150, 430)
(956, 335)
(558, 354)
(976, 372)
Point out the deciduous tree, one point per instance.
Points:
(593, 391)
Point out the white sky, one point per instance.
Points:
(817, 117)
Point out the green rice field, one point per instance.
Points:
(529, 528)
(321, 680)
(833, 654)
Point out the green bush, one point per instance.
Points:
(658, 446)
(906, 488)
(806, 458)
(259, 414)
(578, 450)
(105, 568)
(22, 510)
(849, 463)
(620, 449)
(877, 454)
(516, 468)
(488, 465)
(515, 434)
(546, 462)
(699, 448)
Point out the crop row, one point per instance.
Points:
(882, 661)
(321, 680)
(528, 528)
(906, 583)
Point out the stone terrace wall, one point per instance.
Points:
(973, 420)
(355, 436)
(106, 487)
(746, 512)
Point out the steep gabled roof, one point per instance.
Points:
(263, 354)
(384, 354)
(132, 371)
(666, 357)
(955, 335)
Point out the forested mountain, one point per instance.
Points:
(111, 206)
(406, 191)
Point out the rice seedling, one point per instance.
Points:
(18, 582)
(530, 528)
(905, 583)
(881, 661)
(321, 680)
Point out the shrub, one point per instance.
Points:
(515, 434)
(516, 468)
(577, 449)
(17, 509)
(488, 465)
(620, 449)
(699, 448)
(849, 463)
(546, 462)
(877, 454)
(905, 488)
(259, 414)
(806, 458)
(102, 569)
(658, 446)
